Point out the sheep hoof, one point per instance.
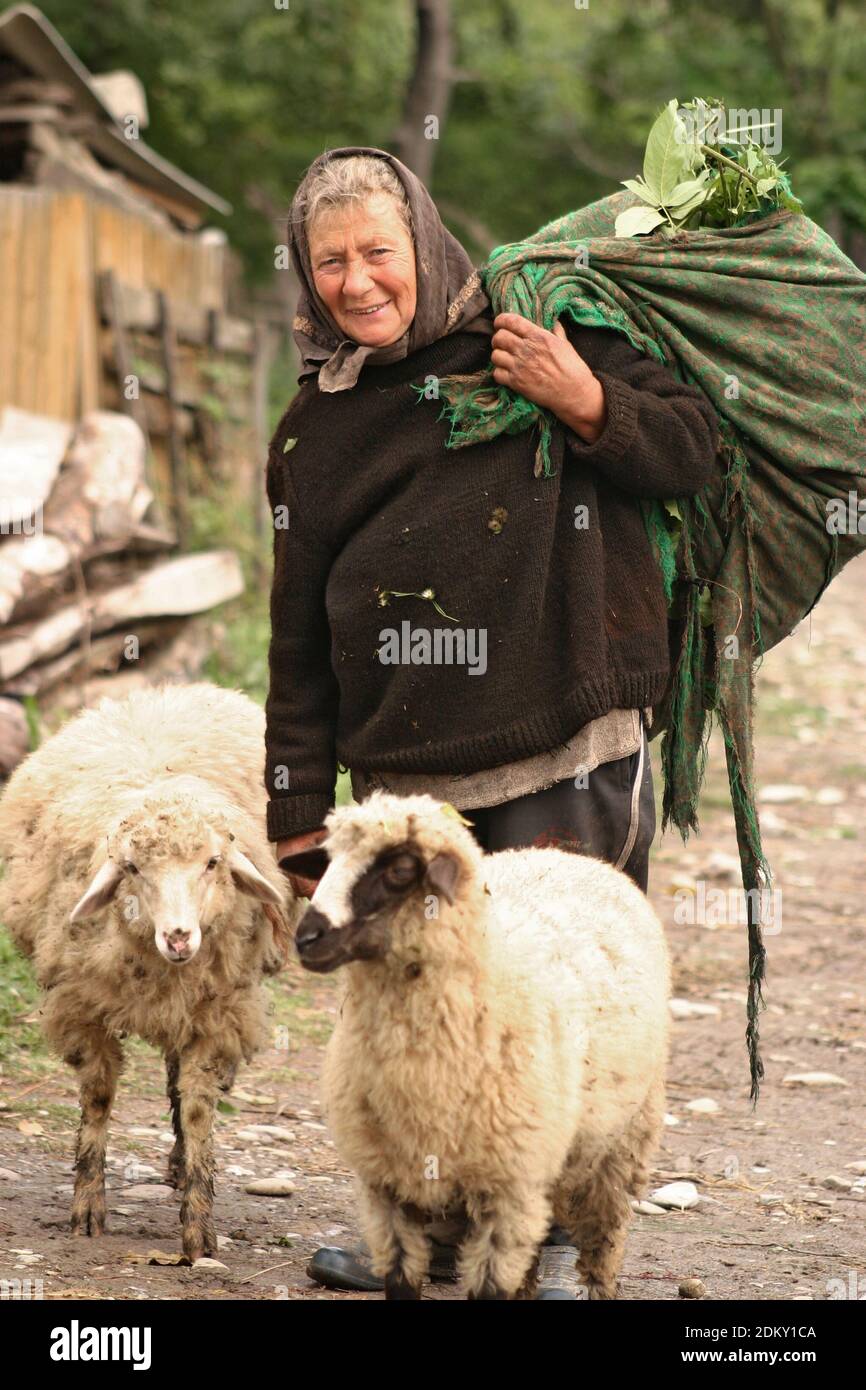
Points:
(488, 1292)
(88, 1219)
(199, 1242)
(397, 1286)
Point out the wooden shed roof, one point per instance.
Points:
(33, 42)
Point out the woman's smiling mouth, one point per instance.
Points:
(371, 311)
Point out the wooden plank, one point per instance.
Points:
(177, 458)
(190, 584)
(233, 335)
(32, 448)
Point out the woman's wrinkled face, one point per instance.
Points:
(363, 262)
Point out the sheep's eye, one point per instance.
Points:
(212, 863)
(401, 872)
(130, 867)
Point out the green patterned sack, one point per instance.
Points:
(768, 318)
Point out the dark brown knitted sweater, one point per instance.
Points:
(557, 573)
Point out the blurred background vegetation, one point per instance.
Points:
(543, 106)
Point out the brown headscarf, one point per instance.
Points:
(450, 295)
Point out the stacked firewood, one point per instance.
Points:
(88, 580)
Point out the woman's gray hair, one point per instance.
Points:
(352, 179)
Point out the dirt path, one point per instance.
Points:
(768, 1225)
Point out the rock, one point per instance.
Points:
(261, 1133)
(705, 1105)
(772, 1199)
(148, 1192)
(270, 1187)
(692, 1288)
(723, 866)
(779, 792)
(837, 1184)
(813, 1078)
(236, 1170)
(671, 1120)
(206, 1263)
(858, 1166)
(830, 796)
(687, 1008)
(678, 1196)
(648, 1209)
(7, 1175)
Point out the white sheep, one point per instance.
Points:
(501, 1043)
(138, 876)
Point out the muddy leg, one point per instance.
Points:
(400, 1248)
(198, 1084)
(498, 1258)
(97, 1061)
(175, 1174)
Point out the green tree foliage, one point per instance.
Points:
(550, 107)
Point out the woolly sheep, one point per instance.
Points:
(139, 878)
(501, 1043)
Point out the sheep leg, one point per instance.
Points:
(198, 1083)
(399, 1246)
(97, 1061)
(175, 1175)
(497, 1259)
(598, 1211)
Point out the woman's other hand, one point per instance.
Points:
(547, 370)
(304, 887)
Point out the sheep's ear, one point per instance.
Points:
(307, 863)
(442, 874)
(102, 889)
(248, 879)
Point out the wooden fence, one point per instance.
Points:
(54, 246)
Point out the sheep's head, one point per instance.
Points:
(386, 866)
(173, 869)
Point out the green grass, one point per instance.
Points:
(19, 996)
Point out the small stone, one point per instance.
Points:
(7, 1175)
(837, 1184)
(858, 1166)
(679, 1196)
(772, 1199)
(649, 1209)
(692, 1288)
(705, 1105)
(813, 1078)
(830, 796)
(236, 1170)
(260, 1133)
(723, 866)
(687, 1008)
(779, 792)
(270, 1187)
(671, 1121)
(206, 1263)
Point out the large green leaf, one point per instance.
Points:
(636, 221)
(666, 161)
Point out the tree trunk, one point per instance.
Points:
(429, 90)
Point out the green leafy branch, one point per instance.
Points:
(688, 182)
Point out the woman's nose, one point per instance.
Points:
(357, 279)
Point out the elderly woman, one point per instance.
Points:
(386, 542)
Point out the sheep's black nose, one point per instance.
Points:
(314, 925)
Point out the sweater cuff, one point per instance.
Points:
(291, 815)
(620, 431)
